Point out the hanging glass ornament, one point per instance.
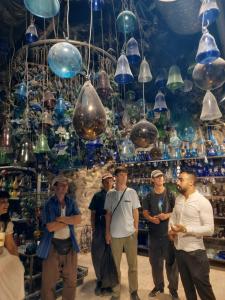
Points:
(47, 119)
(49, 99)
(207, 49)
(188, 85)
(161, 79)
(31, 35)
(126, 22)
(26, 154)
(6, 138)
(21, 92)
(209, 76)
(123, 73)
(132, 51)
(145, 74)
(104, 88)
(175, 80)
(43, 8)
(97, 5)
(186, 134)
(160, 103)
(143, 134)
(64, 60)
(60, 108)
(127, 150)
(42, 144)
(209, 12)
(89, 119)
(210, 108)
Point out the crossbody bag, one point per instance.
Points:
(119, 201)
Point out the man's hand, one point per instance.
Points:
(62, 219)
(162, 216)
(154, 220)
(108, 238)
(172, 235)
(179, 228)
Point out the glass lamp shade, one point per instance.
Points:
(47, 118)
(186, 133)
(104, 88)
(64, 60)
(209, 12)
(127, 150)
(143, 134)
(43, 8)
(161, 79)
(160, 103)
(174, 140)
(123, 73)
(49, 100)
(89, 119)
(6, 138)
(97, 5)
(126, 22)
(26, 154)
(207, 49)
(210, 108)
(21, 92)
(132, 51)
(145, 74)
(209, 76)
(42, 144)
(175, 80)
(60, 107)
(188, 85)
(31, 34)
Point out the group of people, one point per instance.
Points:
(176, 230)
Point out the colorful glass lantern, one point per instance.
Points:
(21, 92)
(207, 49)
(97, 5)
(60, 107)
(123, 72)
(42, 144)
(132, 51)
(43, 8)
(175, 80)
(143, 134)
(209, 76)
(49, 99)
(64, 60)
(6, 138)
(31, 35)
(126, 22)
(104, 88)
(160, 103)
(145, 74)
(210, 108)
(89, 119)
(209, 12)
(161, 79)
(26, 153)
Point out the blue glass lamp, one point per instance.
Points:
(161, 79)
(160, 103)
(123, 73)
(126, 22)
(21, 92)
(31, 35)
(43, 8)
(132, 51)
(209, 12)
(60, 107)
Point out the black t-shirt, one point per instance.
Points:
(97, 205)
(156, 204)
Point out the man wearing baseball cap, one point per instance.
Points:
(157, 208)
(98, 228)
(58, 247)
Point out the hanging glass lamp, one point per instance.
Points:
(60, 107)
(210, 108)
(161, 79)
(143, 134)
(132, 51)
(42, 144)
(31, 35)
(175, 80)
(97, 5)
(43, 8)
(209, 12)
(104, 88)
(26, 154)
(160, 103)
(123, 73)
(126, 22)
(145, 74)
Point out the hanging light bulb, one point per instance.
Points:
(126, 22)
(143, 134)
(145, 74)
(43, 8)
(207, 49)
(64, 60)
(26, 154)
(175, 80)
(104, 88)
(210, 108)
(132, 51)
(209, 12)
(31, 35)
(89, 119)
(123, 73)
(42, 144)
(160, 103)
(161, 79)
(97, 5)
(209, 76)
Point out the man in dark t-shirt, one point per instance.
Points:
(157, 207)
(98, 228)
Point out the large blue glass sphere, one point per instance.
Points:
(126, 22)
(64, 60)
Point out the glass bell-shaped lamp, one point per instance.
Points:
(209, 12)
(89, 119)
(26, 154)
(43, 8)
(104, 88)
(97, 5)
(64, 60)
(132, 51)
(210, 108)
(188, 85)
(49, 99)
(60, 107)
(123, 73)
(145, 74)
(31, 35)
(207, 49)
(6, 138)
(126, 22)
(47, 119)
(42, 144)
(21, 92)
(161, 79)
(175, 80)
(160, 103)
(143, 134)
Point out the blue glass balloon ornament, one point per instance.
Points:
(21, 92)
(31, 35)
(126, 22)
(123, 73)
(97, 5)
(160, 103)
(207, 49)
(43, 8)
(132, 52)
(209, 12)
(60, 108)
(64, 60)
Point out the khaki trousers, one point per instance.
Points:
(54, 267)
(129, 245)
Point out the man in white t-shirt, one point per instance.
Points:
(122, 219)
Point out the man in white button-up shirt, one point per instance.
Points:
(192, 218)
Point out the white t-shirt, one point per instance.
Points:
(63, 233)
(122, 223)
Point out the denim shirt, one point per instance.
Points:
(51, 211)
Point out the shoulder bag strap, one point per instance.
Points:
(119, 201)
